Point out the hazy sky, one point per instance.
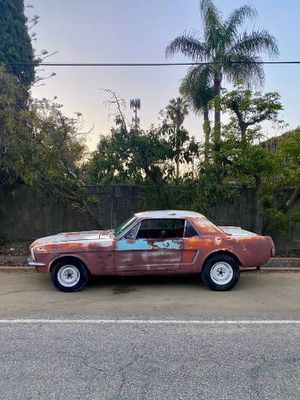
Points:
(139, 31)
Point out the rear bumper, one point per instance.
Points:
(273, 251)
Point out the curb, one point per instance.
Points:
(282, 262)
(16, 268)
(270, 269)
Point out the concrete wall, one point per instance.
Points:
(26, 214)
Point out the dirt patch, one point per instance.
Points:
(288, 253)
(14, 248)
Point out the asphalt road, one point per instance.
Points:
(45, 356)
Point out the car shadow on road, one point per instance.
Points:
(128, 284)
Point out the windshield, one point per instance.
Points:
(123, 227)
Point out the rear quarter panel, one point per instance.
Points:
(199, 248)
(256, 250)
(251, 251)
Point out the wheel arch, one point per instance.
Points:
(220, 253)
(69, 258)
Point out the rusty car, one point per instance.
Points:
(153, 242)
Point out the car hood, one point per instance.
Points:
(73, 237)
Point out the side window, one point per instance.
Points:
(190, 231)
(131, 234)
(161, 228)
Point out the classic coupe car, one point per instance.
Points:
(154, 242)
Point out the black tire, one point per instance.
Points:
(211, 272)
(69, 266)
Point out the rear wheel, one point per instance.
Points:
(69, 275)
(221, 272)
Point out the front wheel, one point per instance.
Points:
(221, 272)
(69, 275)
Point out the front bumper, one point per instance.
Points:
(33, 263)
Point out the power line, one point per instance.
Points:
(166, 64)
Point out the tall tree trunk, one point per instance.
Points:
(235, 106)
(217, 105)
(243, 126)
(259, 209)
(177, 167)
(156, 181)
(177, 148)
(207, 132)
(92, 216)
(293, 198)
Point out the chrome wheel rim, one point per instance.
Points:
(68, 275)
(221, 273)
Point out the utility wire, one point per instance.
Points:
(61, 64)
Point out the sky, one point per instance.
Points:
(119, 31)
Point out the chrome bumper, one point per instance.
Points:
(32, 263)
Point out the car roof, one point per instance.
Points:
(168, 214)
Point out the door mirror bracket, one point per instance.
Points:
(130, 235)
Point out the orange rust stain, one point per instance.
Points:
(203, 242)
(204, 225)
(188, 256)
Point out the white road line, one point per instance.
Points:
(149, 322)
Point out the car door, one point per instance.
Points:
(152, 245)
(192, 243)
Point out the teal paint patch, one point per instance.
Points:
(144, 244)
(130, 245)
(168, 245)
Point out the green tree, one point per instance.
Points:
(248, 163)
(176, 111)
(133, 157)
(248, 110)
(40, 147)
(229, 53)
(243, 162)
(146, 158)
(280, 207)
(16, 52)
(251, 166)
(14, 130)
(289, 158)
(198, 94)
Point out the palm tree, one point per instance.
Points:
(195, 89)
(176, 111)
(228, 53)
